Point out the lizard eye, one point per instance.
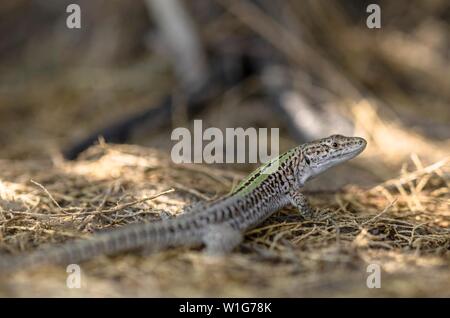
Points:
(335, 145)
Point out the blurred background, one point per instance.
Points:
(391, 85)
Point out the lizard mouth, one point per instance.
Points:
(357, 151)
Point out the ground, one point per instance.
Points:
(401, 224)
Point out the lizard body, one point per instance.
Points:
(220, 224)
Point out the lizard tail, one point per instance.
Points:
(131, 237)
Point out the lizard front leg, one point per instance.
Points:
(299, 201)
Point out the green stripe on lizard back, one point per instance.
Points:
(260, 174)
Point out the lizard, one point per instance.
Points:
(218, 225)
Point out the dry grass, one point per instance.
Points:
(402, 224)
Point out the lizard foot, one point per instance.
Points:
(299, 201)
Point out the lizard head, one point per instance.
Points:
(325, 153)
